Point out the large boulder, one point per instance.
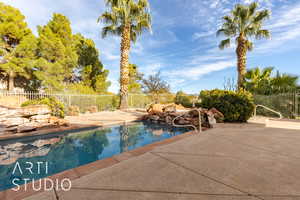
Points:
(155, 109)
(34, 110)
(40, 118)
(14, 121)
(217, 115)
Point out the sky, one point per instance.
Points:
(182, 45)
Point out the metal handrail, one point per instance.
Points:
(189, 125)
(269, 109)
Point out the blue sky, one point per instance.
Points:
(183, 45)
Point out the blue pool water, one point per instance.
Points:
(62, 151)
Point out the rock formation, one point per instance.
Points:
(26, 119)
(159, 113)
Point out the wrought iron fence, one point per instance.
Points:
(288, 104)
(85, 102)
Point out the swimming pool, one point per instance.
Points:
(63, 151)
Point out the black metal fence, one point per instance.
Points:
(288, 104)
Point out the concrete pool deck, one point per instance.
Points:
(105, 118)
(232, 161)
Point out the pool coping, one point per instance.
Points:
(46, 131)
(71, 127)
(84, 170)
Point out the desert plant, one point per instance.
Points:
(184, 99)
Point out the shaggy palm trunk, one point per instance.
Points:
(241, 52)
(10, 82)
(124, 68)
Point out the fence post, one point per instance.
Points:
(297, 110)
(69, 100)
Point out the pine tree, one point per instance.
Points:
(17, 45)
(57, 53)
(135, 79)
(92, 72)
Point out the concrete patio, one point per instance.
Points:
(230, 162)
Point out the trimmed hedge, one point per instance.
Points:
(56, 107)
(236, 106)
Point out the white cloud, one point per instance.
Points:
(200, 35)
(207, 58)
(202, 69)
(284, 27)
(151, 68)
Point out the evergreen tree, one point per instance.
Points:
(17, 45)
(90, 70)
(135, 77)
(57, 53)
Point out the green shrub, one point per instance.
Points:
(56, 107)
(236, 106)
(184, 99)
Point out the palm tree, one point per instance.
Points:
(257, 81)
(128, 19)
(243, 23)
(262, 82)
(284, 83)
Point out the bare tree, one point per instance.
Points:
(155, 84)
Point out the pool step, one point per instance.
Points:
(276, 123)
(283, 123)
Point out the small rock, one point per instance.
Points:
(92, 109)
(155, 108)
(154, 117)
(73, 111)
(169, 120)
(217, 114)
(40, 118)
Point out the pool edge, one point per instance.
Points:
(48, 131)
(84, 170)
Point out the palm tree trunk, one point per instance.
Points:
(241, 52)
(124, 67)
(10, 81)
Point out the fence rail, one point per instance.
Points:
(288, 104)
(83, 101)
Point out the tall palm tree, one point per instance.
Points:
(128, 19)
(244, 23)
